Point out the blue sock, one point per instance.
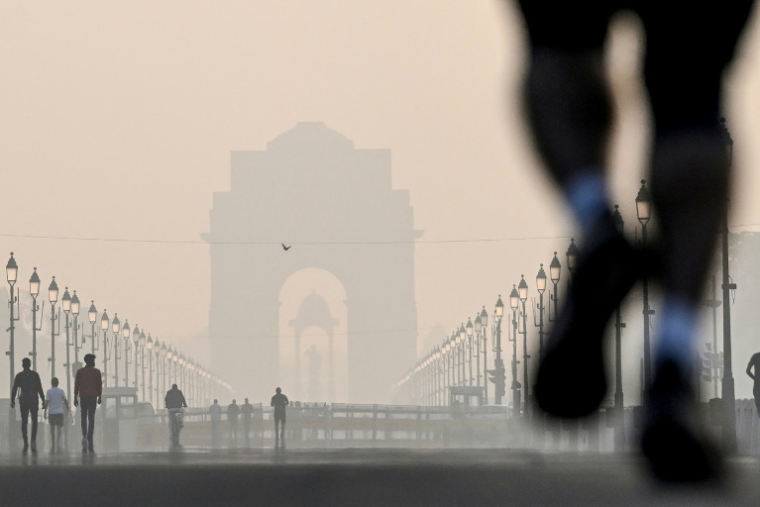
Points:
(677, 334)
(587, 197)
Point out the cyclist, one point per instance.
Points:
(175, 404)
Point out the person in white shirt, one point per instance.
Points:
(55, 402)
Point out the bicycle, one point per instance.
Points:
(175, 424)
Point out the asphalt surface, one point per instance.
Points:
(366, 477)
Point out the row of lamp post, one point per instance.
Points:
(439, 367)
(431, 377)
(161, 363)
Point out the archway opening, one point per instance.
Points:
(312, 336)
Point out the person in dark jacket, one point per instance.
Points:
(88, 387)
(175, 402)
(28, 386)
(233, 411)
(279, 402)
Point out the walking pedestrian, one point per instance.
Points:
(754, 364)
(28, 387)
(279, 402)
(247, 412)
(55, 403)
(689, 45)
(215, 414)
(88, 388)
(233, 411)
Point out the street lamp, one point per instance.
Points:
(66, 307)
(104, 323)
(125, 333)
(136, 344)
(514, 301)
(115, 327)
(468, 331)
(11, 272)
(572, 256)
(143, 343)
(462, 341)
(170, 361)
(498, 362)
(34, 290)
(619, 325)
(478, 327)
(541, 287)
(643, 213)
(165, 351)
(75, 307)
(149, 348)
(522, 291)
(53, 298)
(555, 269)
(92, 316)
(484, 323)
(727, 394)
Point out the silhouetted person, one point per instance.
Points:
(247, 412)
(568, 105)
(88, 387)
(175, 402)
(233, 411)
(215, 414)
(754, 364)
(55, 403)
(28, 387)
(279, 402)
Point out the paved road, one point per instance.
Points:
(356, 478)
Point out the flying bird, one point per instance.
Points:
(286, 248)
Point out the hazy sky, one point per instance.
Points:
(117, 120)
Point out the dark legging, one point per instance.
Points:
(568, 104)
(87, 407)
(26, 409)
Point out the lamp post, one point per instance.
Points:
(619, 325)
(165, 352)
(53, 298)
(468, 332)
(555, 269)
(168, 366)
(149, 347)
(462, 341)
(514, 302)
(522, 290)
(136, 345)
(484, 323)
(478, 328)
(447, 380)
(727, 386)
(66, 307)
(572, 262)
(11, 272)
(438, 371)
(75, 306)
(104, 323)
(643, 213)
(115, 326)
(125, 333)
(92, 316)
(499, 386)
(143, 345)
(540, 287)
(34, 290)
